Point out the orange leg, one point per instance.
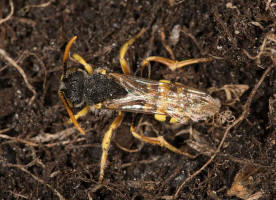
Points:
(159, 141)
(70, 113)
(81, 113)
(124, 65)
(173, 64)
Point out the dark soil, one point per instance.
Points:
(43, 157)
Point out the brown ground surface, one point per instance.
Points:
(43, 157)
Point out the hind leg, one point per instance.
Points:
(159, 141)
(173, 64)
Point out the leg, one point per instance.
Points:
(81, 113)
(173, 64)
(106, 143)
(159, 141)
(124, 65)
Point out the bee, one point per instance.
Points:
(100, 89)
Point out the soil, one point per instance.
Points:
(43, 157)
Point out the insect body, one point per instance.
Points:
(134, 94)
(123, 92)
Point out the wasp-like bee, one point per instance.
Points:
(125, 93)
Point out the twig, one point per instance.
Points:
(240, 119)
(42, 65)
(42, 5)
(19, 196)
(20, 167)
(126, 149)
(173, 3)
(15, 139)
(10, 14)
(21, 71)
(154, 159)
(4, 130)
(186, 31)
(46, 137)
(38, 140)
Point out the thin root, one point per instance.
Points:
(21, 71)
(10, 14)
(126, 149)
(22, 168)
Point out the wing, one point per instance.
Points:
(163, 98)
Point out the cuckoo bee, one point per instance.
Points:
(100, 89)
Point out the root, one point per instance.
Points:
(21, 71)
(9, 15)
